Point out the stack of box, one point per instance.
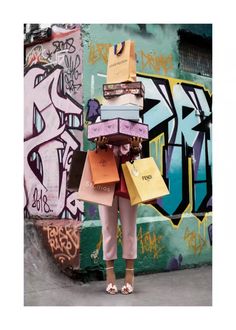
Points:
(120, 114)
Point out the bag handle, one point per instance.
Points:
(134, 170)
(121, 50)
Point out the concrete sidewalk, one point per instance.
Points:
(189, 287)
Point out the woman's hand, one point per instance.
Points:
(135, 145)
(101, 142)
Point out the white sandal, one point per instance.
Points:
(111, 288)
(128, 288)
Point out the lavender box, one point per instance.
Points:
(117, 130)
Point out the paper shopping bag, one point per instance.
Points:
(76, 170)
(144, 181)
(103, 166)
(100, 194)
(121, 65)
(121, 188)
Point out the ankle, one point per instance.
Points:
(110, 275)
(129, 271)
(129, 275)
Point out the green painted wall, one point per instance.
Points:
(61, 76)
(163, 244)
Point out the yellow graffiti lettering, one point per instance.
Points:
(98, 52)
(194, 241)
(150, 243)
(157, 62)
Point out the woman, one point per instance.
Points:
(109, 220)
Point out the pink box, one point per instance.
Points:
(118, 130)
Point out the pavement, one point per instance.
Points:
(46, 285)
(189, 287)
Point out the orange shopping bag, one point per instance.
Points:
(100, 194)
(103, 166)
(121, 65)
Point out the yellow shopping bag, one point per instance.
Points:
(144, 181)
(121, 65)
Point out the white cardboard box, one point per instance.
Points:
(126, 99)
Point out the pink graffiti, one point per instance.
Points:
(48, 147)
(36, 55)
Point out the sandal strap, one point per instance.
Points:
(129, 269)
(127, 288)
(109, 268)
(111, 287)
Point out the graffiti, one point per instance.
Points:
(67, 45)
(39, 55)
(98, 52)
(92, 210)
(210, 233)
(175, 263)
(95, 254)
(40, 202)
(62, 53)
(194, 241)
(49, 144)
(36, 55)
(59, 59)
(150, 243)
(63, 239)
(157, 63)
(93, 111)
(71, 73)
(49, 55)
(179, 117)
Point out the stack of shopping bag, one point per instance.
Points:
(140, 179)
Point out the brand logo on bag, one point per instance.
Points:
(102, 162)
(147, 177)
(98, 187)
(117, 63)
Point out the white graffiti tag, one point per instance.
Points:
(48, 144)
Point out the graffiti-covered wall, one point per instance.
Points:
(174, 232)
(179, 115)
(53, 125)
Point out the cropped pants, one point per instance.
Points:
(109, 220)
